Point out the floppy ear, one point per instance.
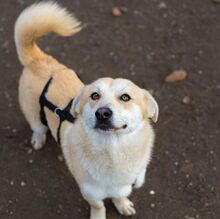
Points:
(76, 105)
(152, 106)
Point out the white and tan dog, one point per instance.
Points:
(108, 147)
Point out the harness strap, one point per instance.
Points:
(63, 114)
(43, 102)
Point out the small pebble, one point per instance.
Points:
(201, 51)
(30, 151)
(211, 152)
(152, 192)
(167, 152)
(190, 184)
(176, 163)
(200, 72)
(212, 189)
(186, 100)
(60, 157)
(162, 5)
(30, 161)
(165, 15)
(152, 205)
(136, 12)
(124, 9)
(14, 130)
(187, 176)
(188, 217)
(12, 183)
(116, 11)
(23, 184)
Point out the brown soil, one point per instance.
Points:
(145, 44)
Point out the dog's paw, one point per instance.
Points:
(38, 140)
(124, 206)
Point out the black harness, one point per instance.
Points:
(64, 114)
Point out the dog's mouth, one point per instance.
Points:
(107, 126)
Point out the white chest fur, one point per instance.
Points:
(104, 164)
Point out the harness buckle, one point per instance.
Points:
(57, 111)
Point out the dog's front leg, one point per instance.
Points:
(140, 179)
(97, 210)
(124, 206)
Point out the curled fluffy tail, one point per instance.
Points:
(37, 20)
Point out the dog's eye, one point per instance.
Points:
(95, 96)
(125, 97)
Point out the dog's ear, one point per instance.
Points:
(152, 106)
(76, 105)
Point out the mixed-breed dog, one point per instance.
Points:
(103, 128)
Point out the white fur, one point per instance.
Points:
(112, 171)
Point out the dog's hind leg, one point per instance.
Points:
(29, 102)
(39, 136)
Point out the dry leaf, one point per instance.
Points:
(178, 75)
(116, 11)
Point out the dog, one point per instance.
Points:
(103, 128)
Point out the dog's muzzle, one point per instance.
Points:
(103, 118)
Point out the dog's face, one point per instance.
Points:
(114, 106)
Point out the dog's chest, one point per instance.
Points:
(116, 166)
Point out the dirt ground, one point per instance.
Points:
(150, 40)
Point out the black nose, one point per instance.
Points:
(103, 113)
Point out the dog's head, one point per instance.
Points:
(114, 106)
